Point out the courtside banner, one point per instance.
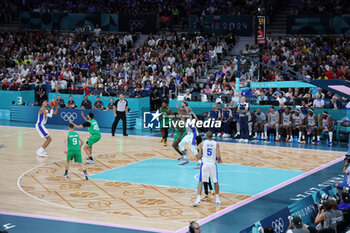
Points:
(282, 84)
(104, 118)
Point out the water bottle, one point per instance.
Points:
(308, 140)
(273, 137)
(259, 135)
(270, 137)
(327, 140)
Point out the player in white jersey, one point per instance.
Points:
(286, 124)
(298, 124)
(311, 125)
(326, 125)
(272, 121)
(209, 152)
(43, 114)
(187, 115)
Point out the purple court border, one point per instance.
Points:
(259, 195)
(84, 222)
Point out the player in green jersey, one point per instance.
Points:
(94, 131)
(165, 121)
(74, 150)
(178, 133)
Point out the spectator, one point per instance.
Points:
(204, 97)
(318, 102)
(40, 94)
(71, 102)
(60, 101)
(262, 97)
(281, 99)
(137, 93)
(110, 105)
(98, 105)
(96, 90)
(335, 103)
(86, 103)
(187, 96)
(85, 89)
(155, 100)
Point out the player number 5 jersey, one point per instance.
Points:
(209, 151)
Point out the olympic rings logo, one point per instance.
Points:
(278, 225)
(68, 115)
(137, 23)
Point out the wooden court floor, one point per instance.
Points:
(42, 190)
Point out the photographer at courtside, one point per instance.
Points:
(346, 172)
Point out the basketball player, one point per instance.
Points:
(43, 114)
(205, 184)
(189, 139)
(311, 124)
(259, 123)
(298, 125)
(272, 121)
(326, 125)
(286, 124)
(209, 152)
(165, 121)
(95, 134)
(180, 133)
(74, 150)
(243, 120)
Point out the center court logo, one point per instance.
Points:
(68, 115)
(154, 120)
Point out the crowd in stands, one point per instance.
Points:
(322, 8)
(92, 62)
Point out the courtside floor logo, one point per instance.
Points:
(153, 121)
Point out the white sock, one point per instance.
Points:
(299, 135)
(330, 136)
(184, 156)
(41, 149)
(318, 137)
(217, 197)
(200, 161)
(198, 198)
(313, 138)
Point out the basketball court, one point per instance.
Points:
(136, 184)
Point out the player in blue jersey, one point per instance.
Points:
(43, 114)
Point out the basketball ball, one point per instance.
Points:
(53, 103)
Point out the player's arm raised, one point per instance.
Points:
(200, 151)
(82, 115)
(218, 155)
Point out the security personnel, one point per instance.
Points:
(120, 110)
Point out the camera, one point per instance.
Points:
(347, 157)
(346, 189)
(326, 197)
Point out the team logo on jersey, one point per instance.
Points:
(151, 120)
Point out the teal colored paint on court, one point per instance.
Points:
(167, 172)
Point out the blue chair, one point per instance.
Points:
(343, 129)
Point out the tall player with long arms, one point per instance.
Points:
(209, 152)
(43, 114)
(94, 131)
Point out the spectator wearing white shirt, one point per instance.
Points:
(190, 71)
(97, 30)
(204, 97)
(187, 96)
(93, 79)
(281, 99)
(171, 59)
(218, 49)
(318, 102)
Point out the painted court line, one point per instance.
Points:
(152, 136)
(83, 222)
(259, 195)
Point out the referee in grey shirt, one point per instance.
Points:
(120, 110)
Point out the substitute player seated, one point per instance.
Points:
(259, 124)
(326, 125)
